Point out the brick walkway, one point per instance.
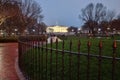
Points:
(8, 54)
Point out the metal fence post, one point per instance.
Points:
(99, 59)
(78, 74)
(114, 59)
(88, 60)
(51, 42)
(70, 61)
(56, 58)
(63, 60)
(46, 58)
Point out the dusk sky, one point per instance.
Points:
(65, 12)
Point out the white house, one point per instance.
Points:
(62, 29)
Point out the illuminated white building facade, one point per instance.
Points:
(61, 29)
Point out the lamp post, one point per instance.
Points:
(16, 31)
(99, 30)
(108, 28)
(114, 30)
(33, 31)
(26, 31)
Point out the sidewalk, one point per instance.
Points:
(8, 55)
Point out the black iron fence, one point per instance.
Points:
(39, 60)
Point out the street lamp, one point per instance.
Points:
(26, 31)
(114, 30)
(108, 28)
(79, 30)
(72, 30)
(16, 31)
(33, 30)
(99, 30)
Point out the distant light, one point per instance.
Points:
(33, 30)
(16, 29)
(108, 28)
(99, 29)
(25, 30)
(79, 28)
(114, 29)
(13, 33)
(2, 33)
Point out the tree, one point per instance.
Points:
(72, 29)
(118, 17)
(8, 9)
(41, 27)
(104, 26)
(92, 26)
(31, 13)
(21, 13)
(38, 28)
(110, 15)
(93, 15)
(115, 24)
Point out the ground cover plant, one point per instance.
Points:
(39, 63)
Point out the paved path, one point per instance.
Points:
(8, 54)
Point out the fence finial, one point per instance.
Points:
(79, 43)
(114, 44)
(89, 44)
(100, 44)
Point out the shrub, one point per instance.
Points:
(8, 39)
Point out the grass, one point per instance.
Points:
(38, 63)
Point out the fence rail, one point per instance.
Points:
(41, 61)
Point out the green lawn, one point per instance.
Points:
(38, 63)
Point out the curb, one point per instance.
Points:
(19, 73)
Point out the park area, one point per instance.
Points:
(73, 58)
(42, 40)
